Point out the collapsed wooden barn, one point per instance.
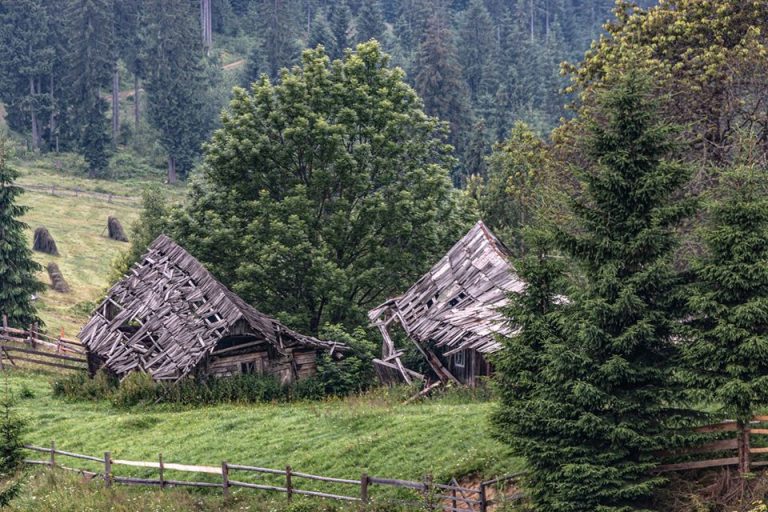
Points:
(452, 313)
(171, 318)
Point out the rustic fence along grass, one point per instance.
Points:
(426, 494)
(109, 197)
(33, 347)
(737, 450)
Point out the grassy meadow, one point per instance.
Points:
(371, 433)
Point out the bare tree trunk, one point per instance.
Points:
(136, 108)
(52, 118)
(206, 21)
(33, 115)
(533, 32)
(172, 178)
(115, 105)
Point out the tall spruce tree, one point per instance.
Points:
(606, 393)
(439, 82)
(17, 268)
(476, 40)
(370, 22)
(321, 34)
(177, 87)
(340, 18)
(729, 303)
(90, 58)
(26, 59)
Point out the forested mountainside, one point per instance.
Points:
(89, 76)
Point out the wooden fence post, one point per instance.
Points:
(162, 467)
(428, 492)
(288, 483)
(5, 322)
(53, 454)
(30, 335)
(107, 469)
(454, 484)
(364, 489)
(483, 501)
(744, 446)
(225, 478)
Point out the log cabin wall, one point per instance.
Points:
(468, 366)
(261, 359)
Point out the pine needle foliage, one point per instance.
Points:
(17, 268)
(728, 355)
(600, 393)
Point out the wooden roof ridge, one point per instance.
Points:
(456, 304)
(181, 311)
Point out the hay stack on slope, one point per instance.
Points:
(44, 242)
(57, 279)
(116, 231)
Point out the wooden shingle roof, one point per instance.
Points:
(456, 304)
(169, 312)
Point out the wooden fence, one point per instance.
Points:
(109, 197)
(33, 347)
(735, 446)
(426, 495)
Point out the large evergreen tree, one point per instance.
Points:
(729, 304)
(606, 393)
(341, 198)
(439, 82)
(370, 22)
(476, 40)
(90, 60)
(26, 63)
(177, 87)
(17, 269)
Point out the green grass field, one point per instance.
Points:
(371, 433)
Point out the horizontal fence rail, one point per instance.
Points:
(428, 495)
(32, 346)
(57, 190)
(734, 447)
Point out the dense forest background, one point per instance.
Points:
(96, 77)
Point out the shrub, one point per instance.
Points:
(355, 372)
(136, 388)
(79, 386)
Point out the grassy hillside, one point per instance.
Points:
(77, 224)
(342, 438)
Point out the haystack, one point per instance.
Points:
(57, 279)
(116, 231)
(44, 242)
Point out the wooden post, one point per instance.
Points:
(109, 199)
(53, 454)
(162, 467)
(30, 335)
(428, 492)
(454, 484)
(364, 489)
(483, 500)
(5, 322)
(225, 478)
(288, 483)
(107, 469)
(743, 443)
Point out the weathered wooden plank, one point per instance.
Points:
(49, 363)
(63, 357)
(725, 426)
(700, 464)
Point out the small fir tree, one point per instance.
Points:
(11, 431)
(17, 269)
(729, 303)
